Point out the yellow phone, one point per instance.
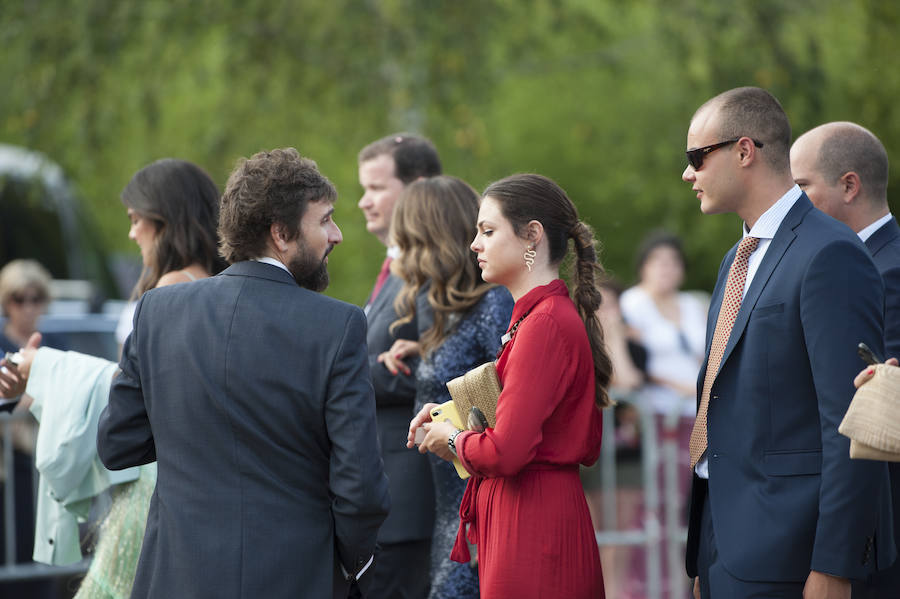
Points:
(447, 411)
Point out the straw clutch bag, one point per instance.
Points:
(478, 388)
(873, 419)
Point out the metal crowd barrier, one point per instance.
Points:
(666, 499)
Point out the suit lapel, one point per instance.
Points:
(779, 245)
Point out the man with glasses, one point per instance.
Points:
(778, 509)
(843, 168)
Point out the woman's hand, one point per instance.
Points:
(868, 372)
(421, 418)
(393, 359)
(437, 436)
(14, 379)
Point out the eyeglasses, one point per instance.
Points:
(697, 155)
(35, 300)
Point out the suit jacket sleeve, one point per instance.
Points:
(892, 315)
(399, 389)
(356, 473)
(841, 305)
(124, 438)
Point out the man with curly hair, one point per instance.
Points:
(251, 392)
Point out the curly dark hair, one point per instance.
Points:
(267, 188)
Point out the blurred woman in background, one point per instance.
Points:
(24, 295)
(461, 319)
(671, 325)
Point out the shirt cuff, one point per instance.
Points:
(362, 571)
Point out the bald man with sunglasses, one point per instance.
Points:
(778, 509)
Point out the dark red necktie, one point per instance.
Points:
(383, 274)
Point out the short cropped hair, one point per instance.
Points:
(850, 147)
(755, 113)
(268, 188)
(20, 276)
(414, 156)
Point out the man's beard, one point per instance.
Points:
(307, 270)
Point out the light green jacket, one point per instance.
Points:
(69, 390)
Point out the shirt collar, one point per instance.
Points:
(273, 262)
(870, 230)
(767, 225)
(534, 297)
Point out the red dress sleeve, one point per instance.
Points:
(536, 371)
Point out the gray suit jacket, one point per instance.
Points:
(253, 396)
(412, 491)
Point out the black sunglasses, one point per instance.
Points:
(697, 155)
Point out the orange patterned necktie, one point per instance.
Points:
(731, 304)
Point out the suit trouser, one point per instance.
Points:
(717, 583)
(401, 570)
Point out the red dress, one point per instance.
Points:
(525, 506)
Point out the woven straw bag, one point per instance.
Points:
(872, 421)
(479, 387)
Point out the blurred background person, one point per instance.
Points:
(173, 207)
(24, 295)
(464, 320)
(524, 506)
(386, 166)
(671, 325)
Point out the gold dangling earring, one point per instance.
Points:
(529, 257)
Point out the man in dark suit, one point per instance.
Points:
(778, 509)
(386, 167)
(251, 392)
(843, 168)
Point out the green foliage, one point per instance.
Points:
(597, 95)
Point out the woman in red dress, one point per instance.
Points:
(524, 506)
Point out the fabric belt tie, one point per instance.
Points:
(460, 551)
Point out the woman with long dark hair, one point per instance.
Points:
(461, 318)
(524, 506)
(173, 206)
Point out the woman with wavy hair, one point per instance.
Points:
(524, 506)
(461, 318)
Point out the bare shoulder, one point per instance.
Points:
(173, 277)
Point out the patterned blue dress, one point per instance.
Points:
(474, 340)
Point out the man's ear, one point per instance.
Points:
(851, 186)
(279, 237)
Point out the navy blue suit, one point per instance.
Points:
(884, 245)
(784, 496)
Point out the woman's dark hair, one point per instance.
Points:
(655, 240)
(432, 227)
(182, 202)
(526, 197)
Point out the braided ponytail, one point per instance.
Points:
(587, 298)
